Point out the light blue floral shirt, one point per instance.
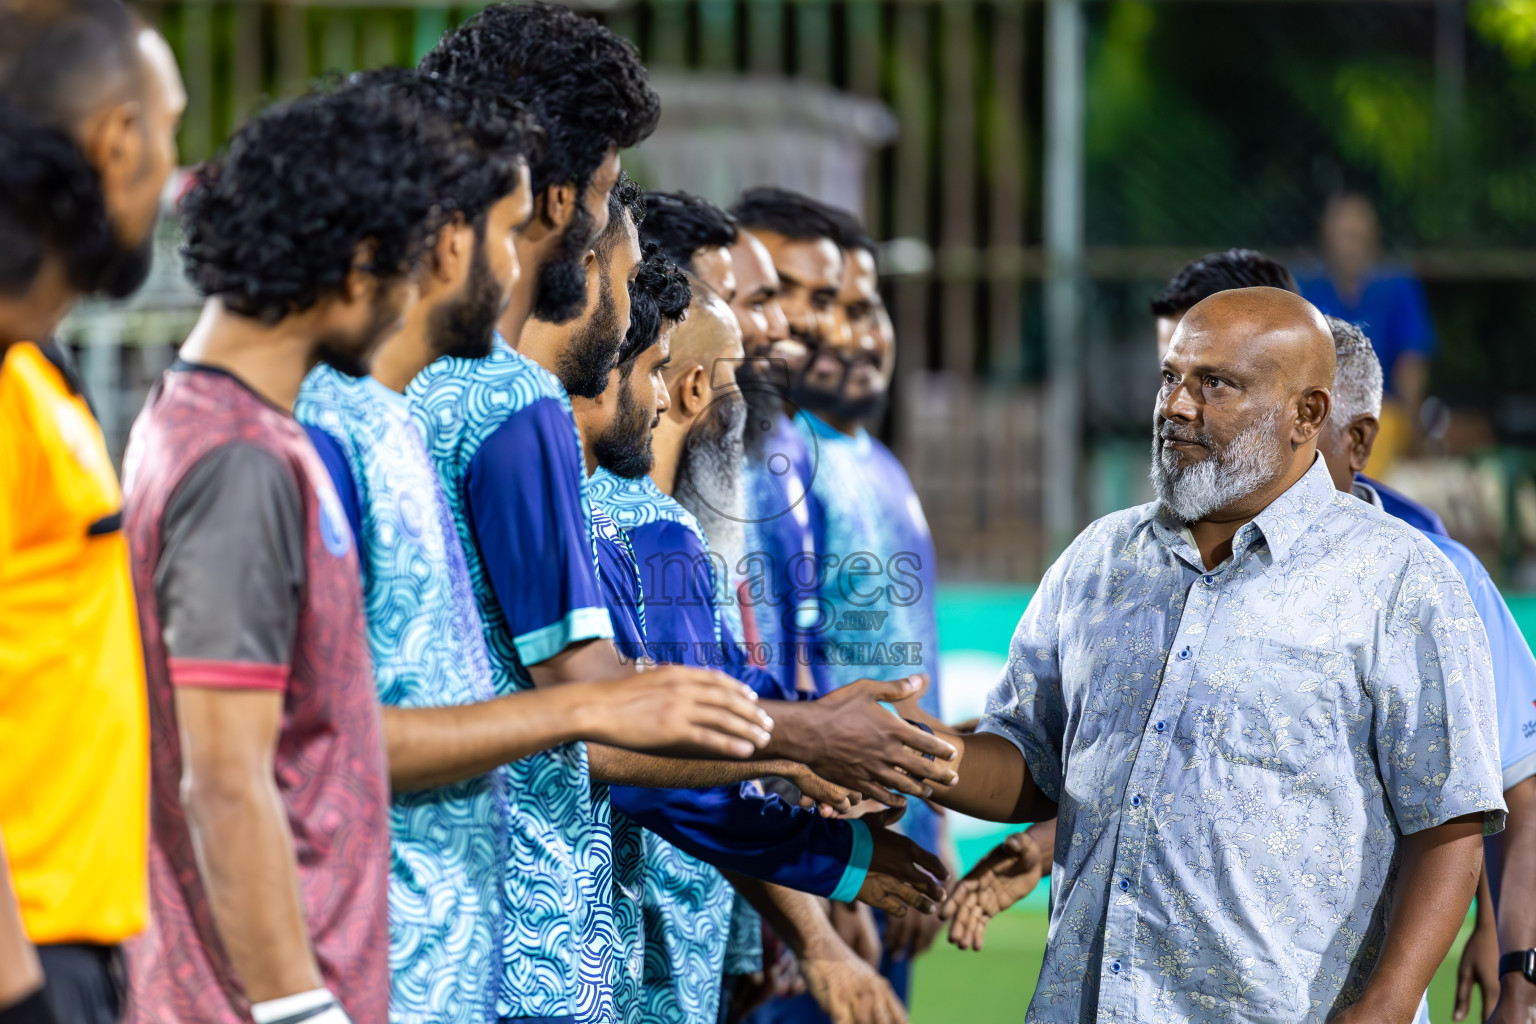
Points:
(1236, 753)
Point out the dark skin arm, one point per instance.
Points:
(240, 833)
(1479, 964)
(1512, 878)
(843, 985)
(994, 782)
(1437, 877)
(846, 737)
(682, 710)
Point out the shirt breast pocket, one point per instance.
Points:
(1273, 705)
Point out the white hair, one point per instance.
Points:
(1357, 382)
(1227, 473)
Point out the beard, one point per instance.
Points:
(562, 293)
(467, 328)
(1227, 474)
(709, 475)
(624, 449)
(124, 271)
(588, 360)
(354, 356)
(835, 400)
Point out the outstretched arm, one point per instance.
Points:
(994, 782)
(1436, 878)
(685, 711)
(843, 985)
(849, 738)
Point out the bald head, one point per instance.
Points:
(1277, 332)
(1245, 394)
(710, 335)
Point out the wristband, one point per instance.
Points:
(34, 1009)
(1522, 961)
(317, 1006)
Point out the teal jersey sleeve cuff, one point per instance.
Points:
(581, 624)
(858, 864)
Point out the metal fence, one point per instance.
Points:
(1196, 126)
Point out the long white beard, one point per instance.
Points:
(709, 482)
(1190, 493)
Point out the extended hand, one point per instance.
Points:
(901, 874)
(998, 881)
(850, 991)
(1480, 966)
(685, 712)
(856, 743)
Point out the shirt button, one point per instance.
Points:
(1125, 886)
(1136, 801)
(1114, 965)
(1160, 726)
(1207, 580)
(1184, 654)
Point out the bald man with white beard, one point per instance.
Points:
(1264, 710)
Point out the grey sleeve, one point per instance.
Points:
(230, 579)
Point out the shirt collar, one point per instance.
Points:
(1279, 526)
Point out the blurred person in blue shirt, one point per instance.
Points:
(1353, 285)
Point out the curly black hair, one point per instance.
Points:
(585, 84)
(275, 221)
(1218, 272)
(789, 213)
(50, 201)
(55, 56)
(658, 296)
(627, 197)
(682, 224)
(504, 133)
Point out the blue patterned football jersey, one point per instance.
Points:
(447, 843)
(621, 583)
(503, 439)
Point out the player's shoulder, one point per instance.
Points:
(492, 387)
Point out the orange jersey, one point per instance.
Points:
(74, 746)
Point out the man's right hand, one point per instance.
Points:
(901, 874)
(998, 881)
(676, 711)
(846, 737)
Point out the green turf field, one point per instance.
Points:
(993, 986)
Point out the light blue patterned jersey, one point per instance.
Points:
(503, 439)
(447, 843)
(876, 616)
(1237, 752)
(687, 903)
